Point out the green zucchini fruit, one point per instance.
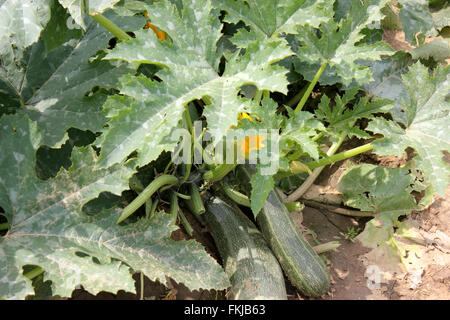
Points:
(303, 266)
(252, 268)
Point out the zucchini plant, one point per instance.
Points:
(113, 111)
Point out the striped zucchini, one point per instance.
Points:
(304, 268)
(252, 268)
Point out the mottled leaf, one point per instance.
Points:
(415, 17)
(426, 116)
(387, 193)
(341, 117)
(387, 74)
(47, 227)
(438, 49)
(53, 87)
(77, 9)
(21, 22)
(268, 17)
(190, 72)
(378, 189)
(339, 43)
(59, 30)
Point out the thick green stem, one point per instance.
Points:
(316, 172)
(34, 273)
(190, 206)
(148, 207)
(258, 96)
(153, 209)
(334, 158)
(174, 208)
(186, 225)
(182, 196)
(218, 172)
(111, 27)
(236, 196)
(3, 226)
(310, 88)
(165, 179)
(318, 136)
(197, 202)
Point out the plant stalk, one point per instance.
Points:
(316, 172)
(197, 202)
(111, 27)
(337, 157)
(236, 196)
(165, 179)
(335, 209)
(310, 88)
(186, 225)
(218, 172)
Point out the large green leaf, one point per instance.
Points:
(341, 118)
(378, 189)
(261, 187)
(77, 8)
(191, 71)
(59, 30)
(339, 43)
(426, 116)
(52, 87)
(387, 193)
(388, 84)
(47, 227)
(415, 17)
(267, 18)
(21, 22)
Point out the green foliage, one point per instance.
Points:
(267, 19)
(426, 116)
(82, 112)
(415, 17)
(339, 43)
(47, 227)
(188, 76)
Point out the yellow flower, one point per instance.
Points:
(252, 143)
(244, 115)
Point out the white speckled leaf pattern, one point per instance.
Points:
(387, 74)
(270, 17)
(341, 118)
(76, 8)
(415, 17)
(426, 117)
(52, 86)
(378, 189)
(21, 22)
(387, 193)
(337, 44)
(48, 227)
(190, 72)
